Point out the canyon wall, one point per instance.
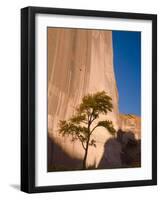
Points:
(131, 123)
(79, 62)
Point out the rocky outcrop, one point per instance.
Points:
(131, 123)
(79, 62)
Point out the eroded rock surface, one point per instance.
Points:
(131, 123)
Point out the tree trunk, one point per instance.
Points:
(86, 149)
(85, 155)
(84, 160)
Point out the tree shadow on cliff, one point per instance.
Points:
(123, 151)
(58, 160)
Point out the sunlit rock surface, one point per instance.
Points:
(131, 123)
(79, 62)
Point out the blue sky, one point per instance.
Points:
(127, 65)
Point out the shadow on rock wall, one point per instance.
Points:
(122, 151)
(58, 160)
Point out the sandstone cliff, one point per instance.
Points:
(131, 123)
(79, 62)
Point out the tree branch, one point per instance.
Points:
(93, 129)
(93, 119)
(85, 122)
(81, 142)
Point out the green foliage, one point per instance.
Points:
(95, 104)
(79, 125)
(78, 118)
(77, 131)
(107, 125)
(93, 143)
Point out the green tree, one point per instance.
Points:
(81, 125)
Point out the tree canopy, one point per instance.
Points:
(80, 125)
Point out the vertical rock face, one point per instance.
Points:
(131, 123)
(79, 62)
